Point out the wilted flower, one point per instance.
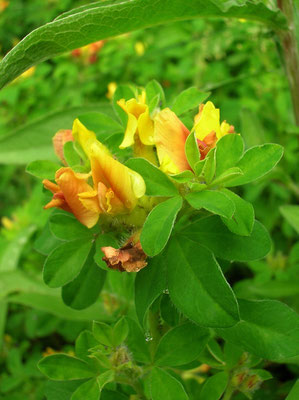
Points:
(130, 257)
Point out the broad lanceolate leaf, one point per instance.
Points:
(137, 343)
(212, 200)
(66, 227)
(103, 333)
(212, 233)
(257, 162)
(243, 218)
(192, 151)
(165, 387)
(291, 214)
(43, 169)
(99, 21)
(101, 124)
(65, 262)
(157, 183)
(86, 287)
(149, 284)
(188, 99)
(181, 345)
(62, 367)
(89, 390)
(34, 140)
(197, 286)
(294, 393)
(229, 150)
(158, 226)
(269, 329)
(214, 387)
(154, 95)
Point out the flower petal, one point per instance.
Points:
(208, 121)
(72, 185)
(127, 185)
(170, 138)
(59, 140)
(146, 128)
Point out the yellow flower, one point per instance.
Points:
(139, 122)
(139, 48)
(116, 187)
(112, 86)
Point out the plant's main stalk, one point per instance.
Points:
(291, 53)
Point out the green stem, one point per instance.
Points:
(228, 392)
(291, 53)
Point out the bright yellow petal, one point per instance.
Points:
(71, 185)
(208, 121)
(126, 184)
(143, 151)
(131, 129)
(224, 129)
(146, 128)
(170, 138)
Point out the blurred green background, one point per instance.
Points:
(238, 61)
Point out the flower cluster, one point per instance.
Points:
(111, 188)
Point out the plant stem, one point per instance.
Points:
(291, 53)
(228, 392)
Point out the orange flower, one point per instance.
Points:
(59, 140)
(66, 195)
(116, 187)
(170, 138)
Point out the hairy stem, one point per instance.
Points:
(291, 53)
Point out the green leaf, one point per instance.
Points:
(291, 214)
(158, 226)
(212, 233)
(84, 290)
(209, 167)
(165, 387)
(257, 162)
(98, 21)
(71, 157)
(137, 343)
(181, 345)
(88, 390)
(268, 329)
(157, 183)
(294, 393)
(120, 332)
(34, 140)
(60, 390)
(192, 151)
(229, 150)
(103, 333)
(243, 218)
(65, 262)
(61, 367)
(105, 377)
(66, 227)
(212, 200)
(153, 91)
(228, 175)
(101, 124)
(214, 387)
(183, 177)
(84, 342)
(149, 284)
(43, 169)
(188, 99)
(197, 286)
(273, 289)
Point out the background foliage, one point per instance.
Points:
(239, 61)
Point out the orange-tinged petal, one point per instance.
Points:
(170, 138)
(130, 131)
(208, 121)
(109, 202)
(143, 151)
(126, 184)
(59, 139)
(71, 185)
(51, 186)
